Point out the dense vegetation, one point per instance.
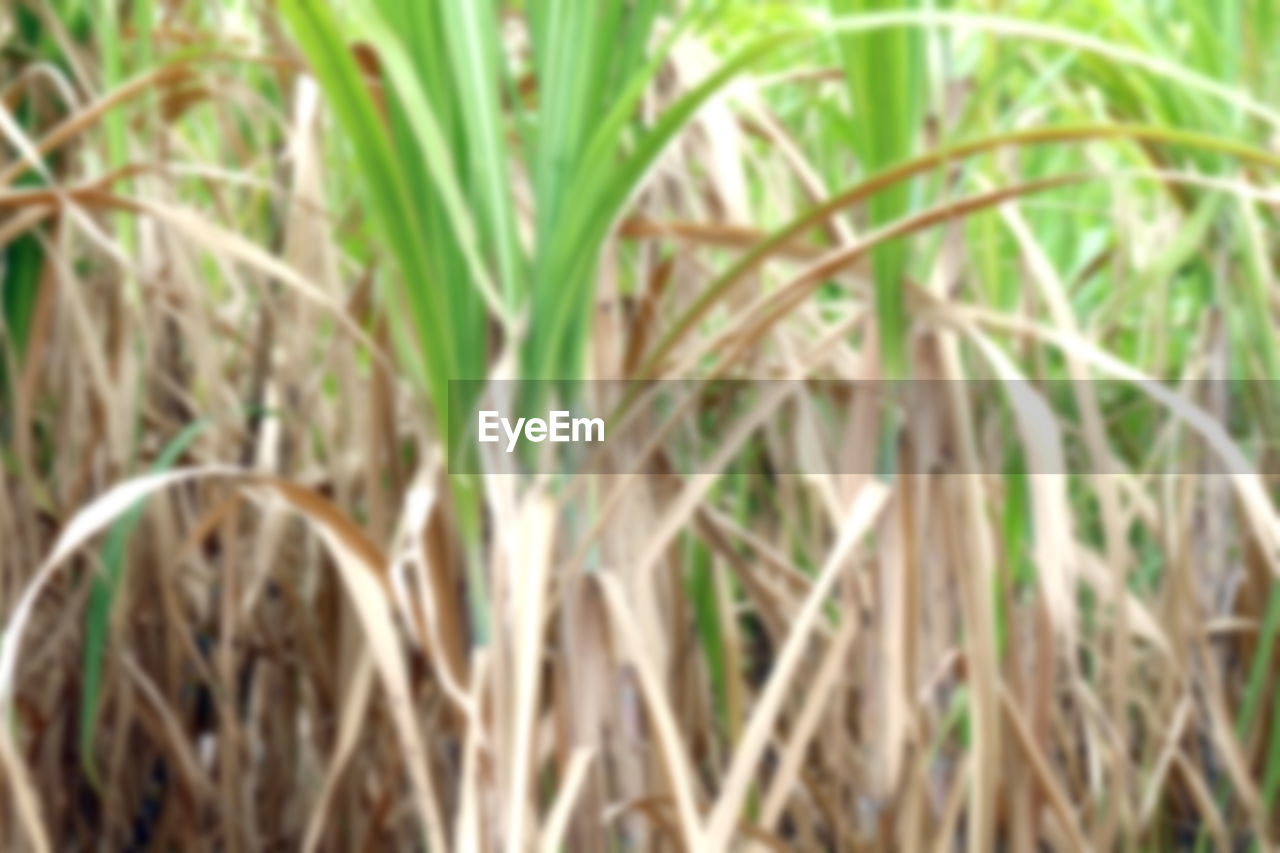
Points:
(246, 245)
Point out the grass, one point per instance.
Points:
(294, 626)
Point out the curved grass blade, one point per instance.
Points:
(391, 206)
(935, 159)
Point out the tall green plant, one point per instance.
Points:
(440, 136)
(441, 158)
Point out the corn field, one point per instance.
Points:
(261, 259)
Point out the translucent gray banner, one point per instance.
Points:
(800, 427)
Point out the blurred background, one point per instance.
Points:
(246, 246)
